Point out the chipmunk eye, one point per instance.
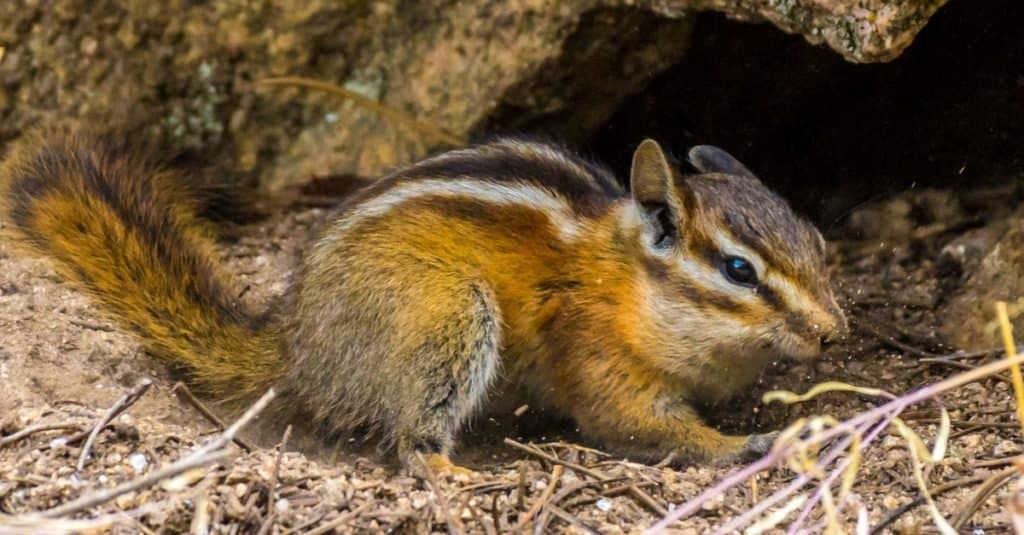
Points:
(739, 271)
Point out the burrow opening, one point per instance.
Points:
(827, 134)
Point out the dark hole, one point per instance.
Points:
(829, 134)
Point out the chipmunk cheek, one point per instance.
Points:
(793, 345)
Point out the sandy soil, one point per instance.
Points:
(61, 362)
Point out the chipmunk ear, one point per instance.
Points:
(710, 159)
(652, 183)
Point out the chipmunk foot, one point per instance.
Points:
(759, 444)
(440, 466)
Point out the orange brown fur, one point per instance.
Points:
(127, 234)
(511, 262)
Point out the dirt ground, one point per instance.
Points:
(63, 363)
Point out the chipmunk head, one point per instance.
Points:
(731, 265)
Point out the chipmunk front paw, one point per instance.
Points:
(743, 449)
(440, 466)
(759, 445)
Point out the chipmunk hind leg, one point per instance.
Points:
(450, 373)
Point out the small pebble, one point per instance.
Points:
(604, 504)
(138, 462)
(1006, 447)
(125, 501)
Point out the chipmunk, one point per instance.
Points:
(512, 260)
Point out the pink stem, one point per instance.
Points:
(897, 405)
(809, 506)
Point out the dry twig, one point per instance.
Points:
(183, 392)
(33, 429)
(13, 525)
(647, 500)
(986, 490)
(122, 405)
(454, 524)
(934, 491)
(1001, 461)
(340, 520)
(277, 469)
(268, 525)
(210, 453)
(385, 111)
(964, 366)
(545, 497)
(572, 520)
(891, 341)
(532, 450)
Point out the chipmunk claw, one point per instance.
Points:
(441, 466)
(759, 444)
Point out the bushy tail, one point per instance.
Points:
(126, 232)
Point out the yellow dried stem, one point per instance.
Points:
(850, 473)
(429, 130)
(942, 437)
(919, 455)
(832, 523)
(1006, 330)
(788, 397)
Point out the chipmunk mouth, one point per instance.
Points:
(797, 347)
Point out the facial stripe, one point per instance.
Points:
(777, 287)
(728, 246)
(771, 297)
(695, 275)
(702, 265)
(697, 281)
(793, 295)
(682, 284)
(787, 265)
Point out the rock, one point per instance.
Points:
(864, 32)
(969, 321)
(965, 252)
(180, 74)
(912, 214)
(518, 61)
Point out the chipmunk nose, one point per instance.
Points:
(827, 340)
(835, 329)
